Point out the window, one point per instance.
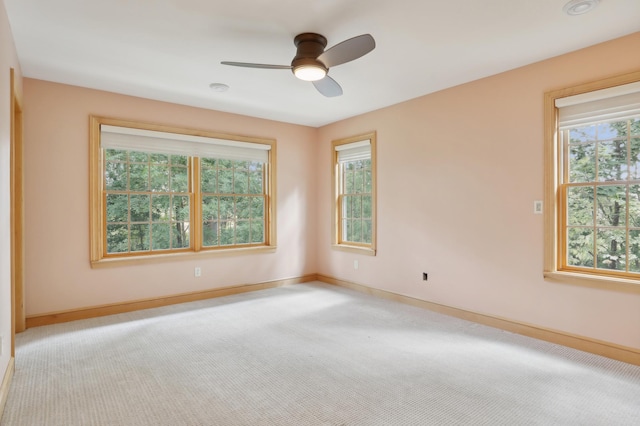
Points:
(354, 166)
(593, 180)
(164, 191)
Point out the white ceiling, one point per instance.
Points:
(170, 50)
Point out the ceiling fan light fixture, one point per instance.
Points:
(310, 72)
(579, 7)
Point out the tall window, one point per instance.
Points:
(354, 189)
(158, 190)
(597, 146)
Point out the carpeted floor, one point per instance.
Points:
(308, 354)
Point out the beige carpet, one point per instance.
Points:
(307, 354)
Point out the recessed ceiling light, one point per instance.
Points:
(579, 7)
(218, 87)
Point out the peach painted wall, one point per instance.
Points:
(58, 276)
(458, 172)
(8, 60)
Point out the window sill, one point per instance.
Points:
(367, 251)
(595, 281)
(169, 257)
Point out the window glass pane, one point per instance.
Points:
(115, 155)
(210, 208)
(209, 162)
(257, 208)
(240, 182)
(611, 244)
(611, 205)
(367, 181)
(159, 158)
(181, 160)
(227, 210)
(159, 178)
(583, 134)
(161, 236)
(115, 175)
(227, 164)
(117, 208)
(139, 177)
(347, 206)
(208, 180)
(580, 205)
(366, 231)
(349, 182)
(582, 163)
(139, 205)
(580, 247)
(161, 208)
(140, 237)
(243, 210)
(117, 238)
(138, 157)
(358, 180)
(179, 235)
(356, 234)
(634, 250)
(612, 160)
(225, 181)
(179, 179)
(357, 206)
(226, 233)
(180, 208)
(634, 167)
(366, 206)
(634, 206)
(347, 230)
(210, 234)
(257, 232)
(255, 182)
(612, 130)
(242, 232)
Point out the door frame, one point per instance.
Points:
(17, 214)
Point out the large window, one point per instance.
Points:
(354, 193)
(593, 187)
(160, 191)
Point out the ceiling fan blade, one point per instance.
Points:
(348, 50)
(328, 87)
(250, 65)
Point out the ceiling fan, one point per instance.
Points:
(312, 62)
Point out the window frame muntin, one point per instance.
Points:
(553, 204)
(97, 204)
(353, 247)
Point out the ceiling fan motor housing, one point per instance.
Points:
(310, 46)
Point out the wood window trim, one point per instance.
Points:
(553, 269)
(364, 249)
(96, 215)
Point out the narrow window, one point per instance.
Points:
(596, 197)
(159, 190)
(354, 188)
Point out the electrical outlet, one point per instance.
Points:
(355, 264)
(424, 276)
(197, 272)
(537, 207)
